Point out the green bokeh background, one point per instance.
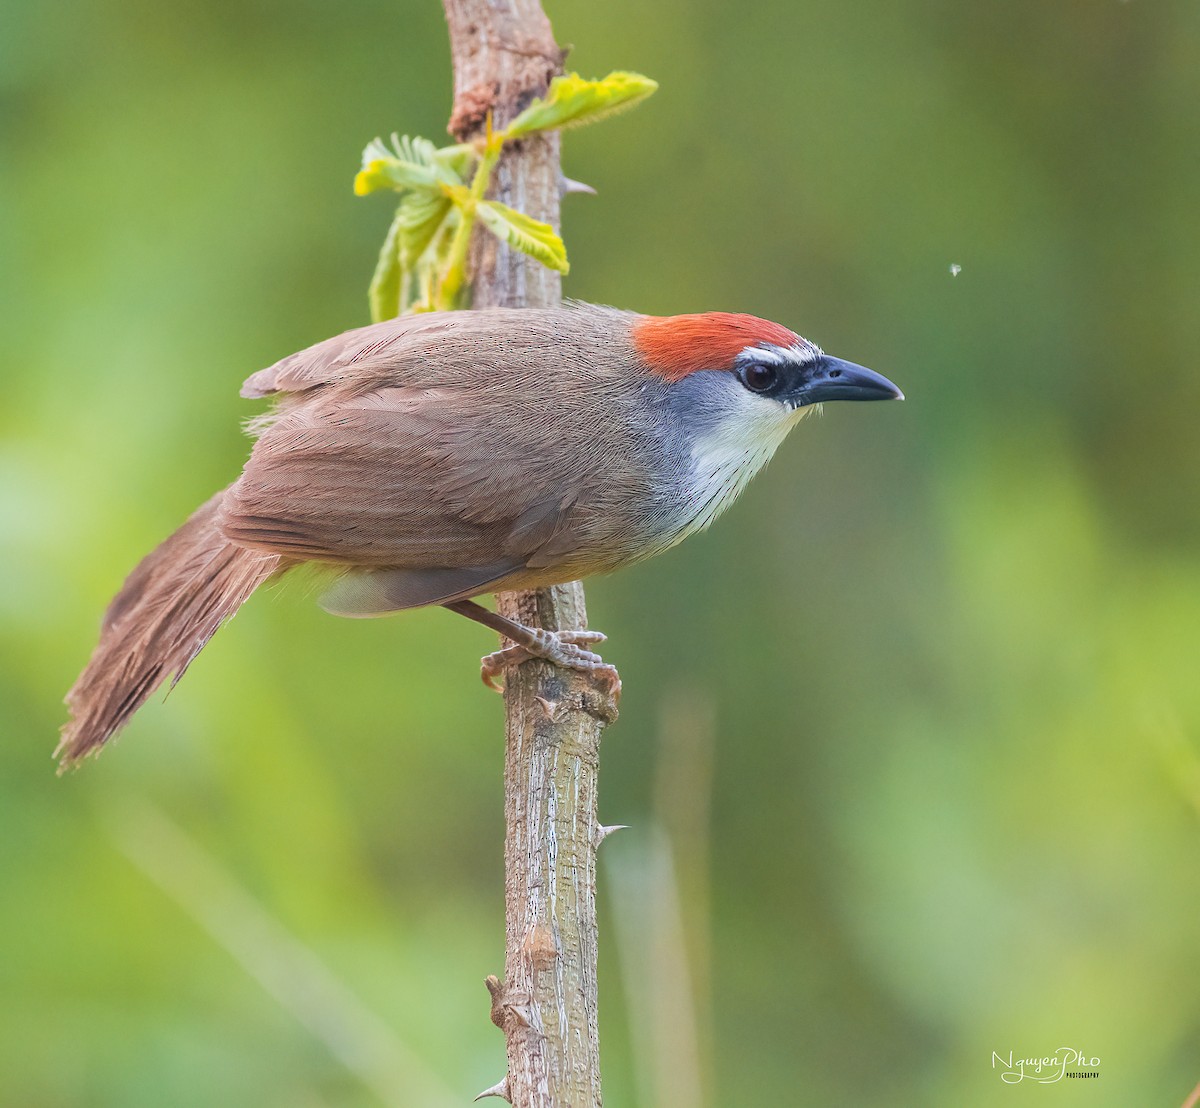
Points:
(932, 788)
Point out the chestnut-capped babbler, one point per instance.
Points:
(429, 459)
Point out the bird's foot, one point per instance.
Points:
(562, 648)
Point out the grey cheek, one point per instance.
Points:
(702, 400)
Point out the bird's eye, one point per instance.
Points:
(759, 377)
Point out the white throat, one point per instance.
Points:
(731, 453)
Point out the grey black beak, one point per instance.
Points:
(832, 379)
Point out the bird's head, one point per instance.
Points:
(735, 386)
(756, 364)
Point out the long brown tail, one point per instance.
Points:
(168, 608)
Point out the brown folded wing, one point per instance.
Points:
(401, 476)
(432, 456)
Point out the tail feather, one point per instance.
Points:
(168, 608)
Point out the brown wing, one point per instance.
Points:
(406, 476)
(493, 341)
(455, 447)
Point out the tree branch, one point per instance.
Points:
(504, 55)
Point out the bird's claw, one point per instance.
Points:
(562, 648)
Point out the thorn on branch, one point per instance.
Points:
(567, 187)
(549, 707)
(497, 991)
(521, 1013)
(603, 832)
(506, 1009)
(499, 1089)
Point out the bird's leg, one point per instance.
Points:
(563, 648)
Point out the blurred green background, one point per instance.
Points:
(909, 743)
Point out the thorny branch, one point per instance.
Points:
(504, 55)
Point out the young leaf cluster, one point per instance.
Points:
(443, 190)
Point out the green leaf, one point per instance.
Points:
(530, 236)
(572, 101)
(410, 165)
(418, 219)
(449, 163)
(384, 293)
(392, 173)
(455, 160)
